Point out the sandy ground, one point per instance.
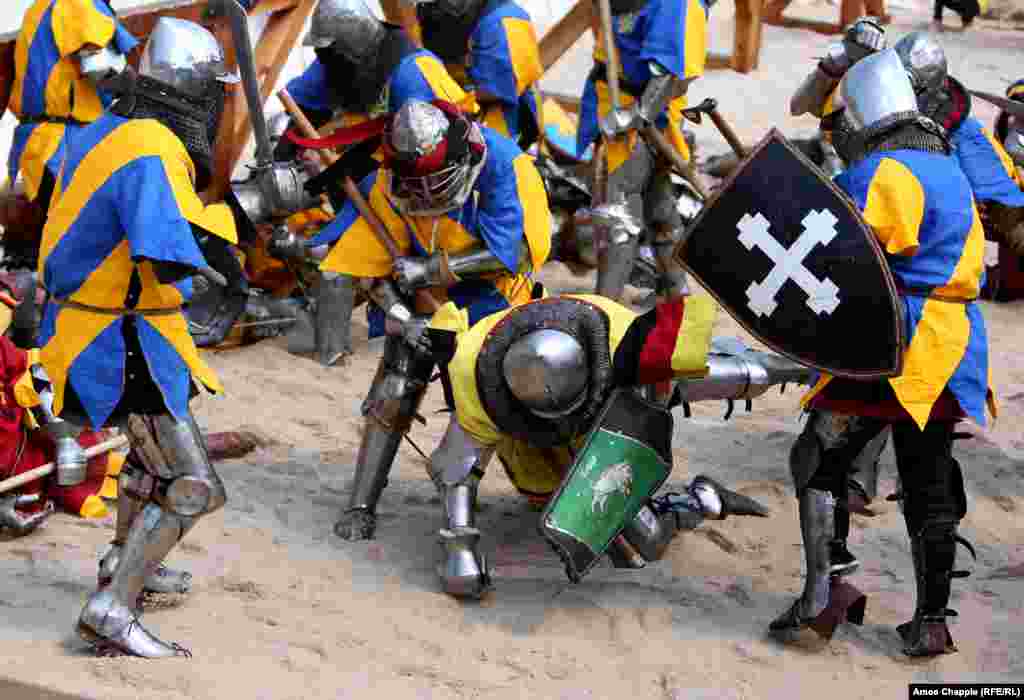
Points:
(284, 609)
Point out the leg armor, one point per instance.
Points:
(395, 396)
(336, 296)
(621, 217)
(661, 214)
(822, 458)
(135, 488)
(864, 485)
(934, 503)
(185, 487)
(658, 523)
(457, 466)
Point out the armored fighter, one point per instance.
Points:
(64, 52)
(536, 383)
(918, 202)
(491, 49)
(467, 211)
(1010, 129)
(365, 68)
(125, 234)
(661, 46)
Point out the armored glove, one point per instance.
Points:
(417, 273)
(836, 61)
(12, 518)
(620, 121)
(414, 332)
(285, 245)
(71, 462)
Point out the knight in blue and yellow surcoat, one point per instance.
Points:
(916, 198)
(490, 48)
(662, 48)
(126, 233)
(64, 48)
(468, 217)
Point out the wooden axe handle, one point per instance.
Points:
(39, 472)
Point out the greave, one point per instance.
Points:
(817, 528)
(464, 572)
(109, 618)
(394, 397)
(334, 303)
(162, 579)
(934, 553)
(615, 263)
(671, 276)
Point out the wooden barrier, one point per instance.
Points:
(849, 11)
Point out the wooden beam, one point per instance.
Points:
(746, 44)
(402, 14)
(560, 38)
(569, 103)
(849, 11)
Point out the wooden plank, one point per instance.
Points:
(560, 38)
(746, 51)
(569, 103)
(400, 13)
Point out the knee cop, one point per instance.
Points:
(174, 457)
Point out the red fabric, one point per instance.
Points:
(348, 136)
(655, 363)
(22, 451)
(877, 400)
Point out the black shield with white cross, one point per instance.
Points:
(791, 259)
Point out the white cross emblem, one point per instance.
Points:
(819, 227)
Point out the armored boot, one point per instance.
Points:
(456, 467)
(464, 573)
(163, 580)
(934, 552)
(657, 524)
(109, 619)
(394, 398)
(826, 600)
(335, 300)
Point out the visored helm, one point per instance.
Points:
(924, 61)
(186, 57)
(348, 27)
(547, 371)
(435, 154)
(876, 89)
(446, 25)
(863, 38)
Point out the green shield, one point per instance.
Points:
(625, 460)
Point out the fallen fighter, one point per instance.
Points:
(531, 382)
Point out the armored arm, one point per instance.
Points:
(273, 192)
(442, 269)
(812, 94)
(661, 89)
(71, 460)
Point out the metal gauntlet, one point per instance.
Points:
(274, 192)
(100, 65)
(71, 460)
(662, 88)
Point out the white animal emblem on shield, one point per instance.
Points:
(617, 478)
(819, 227)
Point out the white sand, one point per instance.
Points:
(284, 609)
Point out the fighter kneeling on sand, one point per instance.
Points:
(539, 382)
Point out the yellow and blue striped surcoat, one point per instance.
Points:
(48, 84)
(124, 197)
(921, 209)
(508, 205)
(672, 33)
(503, 69)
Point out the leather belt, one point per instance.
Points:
(68, 304)
(46, 119)
(930, 293)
